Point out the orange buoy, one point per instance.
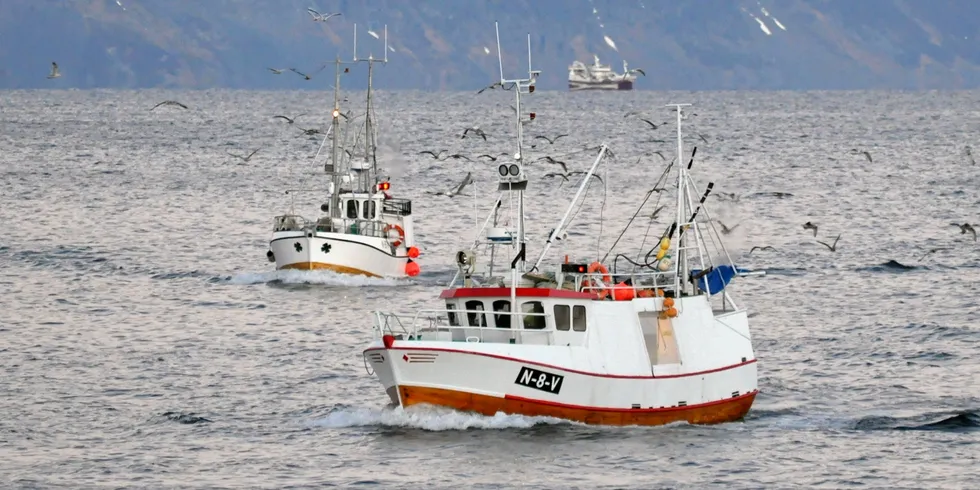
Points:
(668, 302)
(413, 252)
(672, 312)
(645, 293)
(660, 292)
(623, 292)
(412, 268)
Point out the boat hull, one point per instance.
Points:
(575, 86)
(444, 377)
(717, 412)
(337, 252)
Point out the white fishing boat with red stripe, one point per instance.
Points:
(657, 341)
(362, 229)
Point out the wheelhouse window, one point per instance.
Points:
(501, 308)
(533, 315)
(453, 319)
(578, 318)
(352, 209)
(369, 209)
(474, 314)
(563, 317)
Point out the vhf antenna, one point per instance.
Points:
(370, 154)
(512, 176)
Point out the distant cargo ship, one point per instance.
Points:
(600, 77)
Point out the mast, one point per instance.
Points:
(512, 177)
(680, 264)
(370, 144)
(334, 126)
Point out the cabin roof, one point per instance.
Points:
(521, 292)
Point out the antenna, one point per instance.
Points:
(680, 255)
(370, 145)
(512, 177)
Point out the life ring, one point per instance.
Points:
(606, 279)
(401, 234)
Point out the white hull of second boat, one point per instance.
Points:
(594, 382)
(575, 86)
(338, 252)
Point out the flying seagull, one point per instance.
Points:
(550, 140)
(246, 158)
(764, 249)
(170, 102)
(288, 120)
(495, 85)
(930, 252)
(548, 159)
(318, 17)
(430, 152)
(652, 125)
(556, 174)
(725, 229)
(459, 188)
(832, 248)
(310, 132)
(276, 71)
(476, 129)
(656, 212)
(966, 228)
(662, 157)
(457, 156)
(304, 75)
(491, 157)
(810, 226)
(638, 70)
(54, 71)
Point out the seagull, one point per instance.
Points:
(655, 213)
(457, 156)
(969, 153)
(556, 174)
(583, 172)
(246, 158)
(54, 71)
(652, 125)
(631, 113)
(966, 228)
(476, 129)
(288, 120)
(930, 252)
(318, 17)
(548, 159)
(550, 140)
(170, 102)
(434, 155)
(276, 71)
(725, 229)
(493, 86)
(866, 154)
(491, 157)
(702, 137)
(638, 70)
(832, 248)
(764, 249)
(459, 188)
(810, 226)
(310, 132)
(304, 75)
(662, 157)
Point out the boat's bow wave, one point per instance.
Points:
(321, 277)
(431, 418)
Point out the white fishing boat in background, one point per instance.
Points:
(600, 77)
(362, 230)
(661, 342)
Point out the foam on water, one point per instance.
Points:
(322, 277)
(429, 418)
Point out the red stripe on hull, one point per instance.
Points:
(567, 370)
(717, 412)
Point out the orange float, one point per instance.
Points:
(412, 268)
